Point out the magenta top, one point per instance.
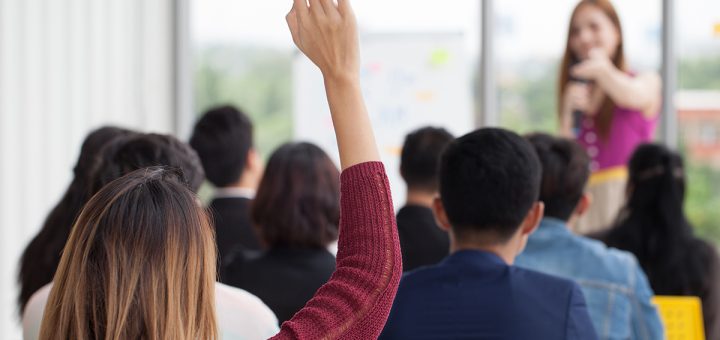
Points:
(629, 129)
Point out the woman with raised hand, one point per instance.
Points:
(608, 108)
(355, 302)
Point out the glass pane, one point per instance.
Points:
(698, 105)
(530, 41)
(417, 56)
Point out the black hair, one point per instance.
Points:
(420, 157)
(298, 200)
(489, 180)
(41, 257)
(565, 172)
(653, 226)
(222, 139)
(146, 150)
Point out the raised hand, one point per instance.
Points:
(327, 34)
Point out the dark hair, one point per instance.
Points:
(298, 199)
(222, 139)
(145, 150)
(489, 180)
(565, 172)
(42, 255)
(653, 226)
(421, 155)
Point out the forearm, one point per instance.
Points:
(627, 91)
(355, 138)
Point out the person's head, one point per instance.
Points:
(656, 191)
(139, 264)
(145, 150)
(565, 172)
(594, 24)
(41, 257)
(420, 158)
(223, 138)
(298, 200)
(489, 187)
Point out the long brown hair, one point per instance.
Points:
(604, 118)
(139, 264)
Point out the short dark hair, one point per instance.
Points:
(298, 200)
(565, 172)
(489, 180)
(421, 156)
(222, 139)
(146, 150)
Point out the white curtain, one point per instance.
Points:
(67, 67)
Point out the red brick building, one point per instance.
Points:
(699, 125)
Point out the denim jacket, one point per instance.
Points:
(616, 289)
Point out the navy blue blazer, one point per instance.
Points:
(476, 295)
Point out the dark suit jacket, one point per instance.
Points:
(233, 228)
(475, 295)
(422, 242)
(283, 278)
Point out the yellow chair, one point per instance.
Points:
(682, 317)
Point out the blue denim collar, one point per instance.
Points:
(552, 226)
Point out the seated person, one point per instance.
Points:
(653, 226)
(223, 138)
(489, 186)
(422, 242)
(239, 314)
(615, 287)
(296, 211)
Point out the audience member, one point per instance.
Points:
(296, 212)
(421, 240)
(616, 290)
(124, 156)
(489, 186)
(223, 138)
(42, 255)
(653, 226)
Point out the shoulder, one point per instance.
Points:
(240, 303)
(242, 315)
(32, 316)
(541, 286)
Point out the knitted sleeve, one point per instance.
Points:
(356, 301)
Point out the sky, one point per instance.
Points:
(524, 27)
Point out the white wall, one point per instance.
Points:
(66, 67)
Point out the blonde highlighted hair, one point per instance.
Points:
(139, 264)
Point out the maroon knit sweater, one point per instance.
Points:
(356, 301)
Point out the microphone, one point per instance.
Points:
(577, 115)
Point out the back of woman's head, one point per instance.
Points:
(145, 150)
(42, 255)
(653, 226)
(298, 200)
(139, 264)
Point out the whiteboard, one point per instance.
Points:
(409, 80)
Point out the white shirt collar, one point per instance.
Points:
(234, 192)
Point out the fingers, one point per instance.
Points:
(329, 8)
(300, 7)
(344, 7)
(292, 21)
(316, 8)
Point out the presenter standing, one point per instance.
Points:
(607, 108)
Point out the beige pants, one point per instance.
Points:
(607, 189)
